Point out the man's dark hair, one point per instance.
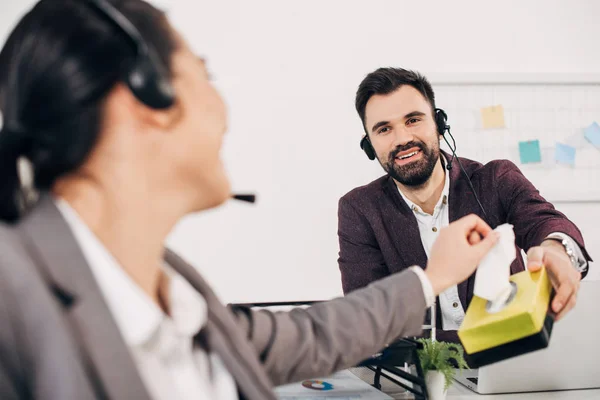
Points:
(388, 80)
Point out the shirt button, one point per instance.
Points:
(455, 304)
(434, 229)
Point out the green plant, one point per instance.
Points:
(438, 356)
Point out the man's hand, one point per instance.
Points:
(457, 251)
(564, 277)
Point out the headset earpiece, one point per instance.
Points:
(441, 121)
(365, 144)
(150, 84)
(146, 78)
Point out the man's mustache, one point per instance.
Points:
(405, 147)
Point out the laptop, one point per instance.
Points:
(571, 360)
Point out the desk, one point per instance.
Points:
(459, 392)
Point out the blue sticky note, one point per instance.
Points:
(592, 134)
(529, 152)
(565, 154)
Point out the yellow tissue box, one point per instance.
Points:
(521, 326)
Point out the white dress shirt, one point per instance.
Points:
(452, 309)
(453, 312)
(161, 345)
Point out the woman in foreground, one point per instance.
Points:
(92, 304)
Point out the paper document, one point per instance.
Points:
(343, 385)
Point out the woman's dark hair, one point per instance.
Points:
(56, 69)
(387, 80)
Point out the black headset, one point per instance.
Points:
(441, 120)
(146, 78)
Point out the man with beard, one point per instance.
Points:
(390, 224)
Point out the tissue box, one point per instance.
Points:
(522, 326)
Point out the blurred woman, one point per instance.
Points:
(92, 304)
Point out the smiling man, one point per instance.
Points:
(390, 224)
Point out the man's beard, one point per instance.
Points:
(415, 173)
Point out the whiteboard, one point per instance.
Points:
(549, 108)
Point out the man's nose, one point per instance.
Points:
(402, 136)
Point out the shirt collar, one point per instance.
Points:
(442, 201)
(136, 315)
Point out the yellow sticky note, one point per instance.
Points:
(492, 117)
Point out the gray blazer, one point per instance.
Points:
(59, 341)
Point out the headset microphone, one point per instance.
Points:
(441, 119)
(247, 197)
(147, 78)
(452, 148)
(454, 156)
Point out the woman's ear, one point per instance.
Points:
(162, 120)
(126, 102)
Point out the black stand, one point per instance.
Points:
(386, 362)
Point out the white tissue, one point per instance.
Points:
(492, 276)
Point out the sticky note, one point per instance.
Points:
(592, 134)
(492, 117)
(529, 152)
(565, 154)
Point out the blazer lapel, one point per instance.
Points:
(403, 225)
(224, 338)
(55, 250)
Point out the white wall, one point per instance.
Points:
(289, 71)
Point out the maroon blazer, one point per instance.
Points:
(379, 235)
